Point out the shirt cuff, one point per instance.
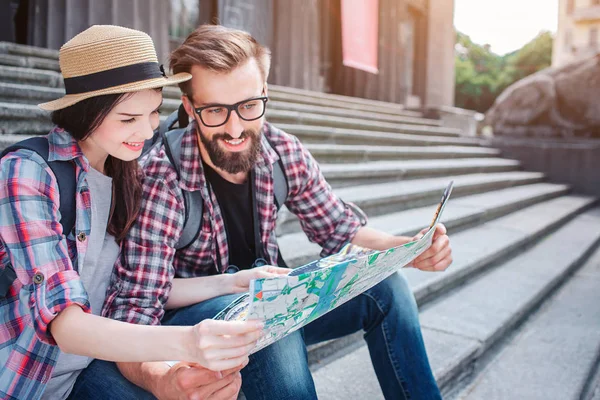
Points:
(51, 295)
(344, 233)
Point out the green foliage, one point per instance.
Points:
(482, 75)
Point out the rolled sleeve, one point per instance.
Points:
(52, 296)
(324, 217)
(32, 237)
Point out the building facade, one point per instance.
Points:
(415, 45)
(578, 34)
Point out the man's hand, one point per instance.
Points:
(192, 382)
(241, 280)
(439, 256)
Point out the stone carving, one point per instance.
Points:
(555, 102)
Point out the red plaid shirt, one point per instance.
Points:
(142, 277)
(45, 260)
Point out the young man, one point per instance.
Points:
(225, 155)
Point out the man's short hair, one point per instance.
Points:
(220, 49)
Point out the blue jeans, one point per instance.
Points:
(387, 314)
(102, 380)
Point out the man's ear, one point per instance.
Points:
(266, 89)
(187, 104)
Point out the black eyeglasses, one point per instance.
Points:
(218, 114)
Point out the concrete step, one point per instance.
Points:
(471, 257)
(45, 87)
(317, 100)
(344, 175)
(317, 134)
(172, 101)
(19, 74)
(29, 62)
(592, 390)
(28, 95)
(28, 51)
(32, 57)
(553, 354)
(7, 140)
(52, 55)
(314, 114)
(336, 153)
(478, 315)
(462, 325)
(384, 199)
(500, 239)
(16, 79)
(301, 96)
(295, 117)
(339, 153)
(29, 119)
(340, 112)
(23, 119)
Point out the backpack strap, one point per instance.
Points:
(192, 200)
(64, 171)
(280, 183)
(171, 139)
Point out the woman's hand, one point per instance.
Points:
(241, 280)
(222, 345)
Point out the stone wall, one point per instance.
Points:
(576, 162)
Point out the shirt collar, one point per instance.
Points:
(62, 146)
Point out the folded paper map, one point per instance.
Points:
(287, 303)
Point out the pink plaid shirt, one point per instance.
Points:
(45, 261)
(142, 278)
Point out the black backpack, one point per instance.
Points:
(64, 171)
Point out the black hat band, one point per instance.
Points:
(114, 77)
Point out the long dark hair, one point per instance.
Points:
(81, 120)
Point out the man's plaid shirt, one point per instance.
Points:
(142, 277)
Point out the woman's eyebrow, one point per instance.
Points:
(131, 115)
(139, 115)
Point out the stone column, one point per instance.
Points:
(254, 17)
(439, 90)
(54, 22)
(7, 26)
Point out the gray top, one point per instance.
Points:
(102, 252)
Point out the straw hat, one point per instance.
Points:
(107, 59)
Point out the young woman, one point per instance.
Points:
(50, 323)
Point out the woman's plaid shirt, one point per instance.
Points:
(142, 277)
(31, 239)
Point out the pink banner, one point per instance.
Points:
(360, 34)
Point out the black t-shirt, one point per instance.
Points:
(235, 201)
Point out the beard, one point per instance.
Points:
(228, 161)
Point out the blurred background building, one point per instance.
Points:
(415, 45)
(578, 34)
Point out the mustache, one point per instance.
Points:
(227, 136)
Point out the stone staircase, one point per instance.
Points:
(517, 315)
